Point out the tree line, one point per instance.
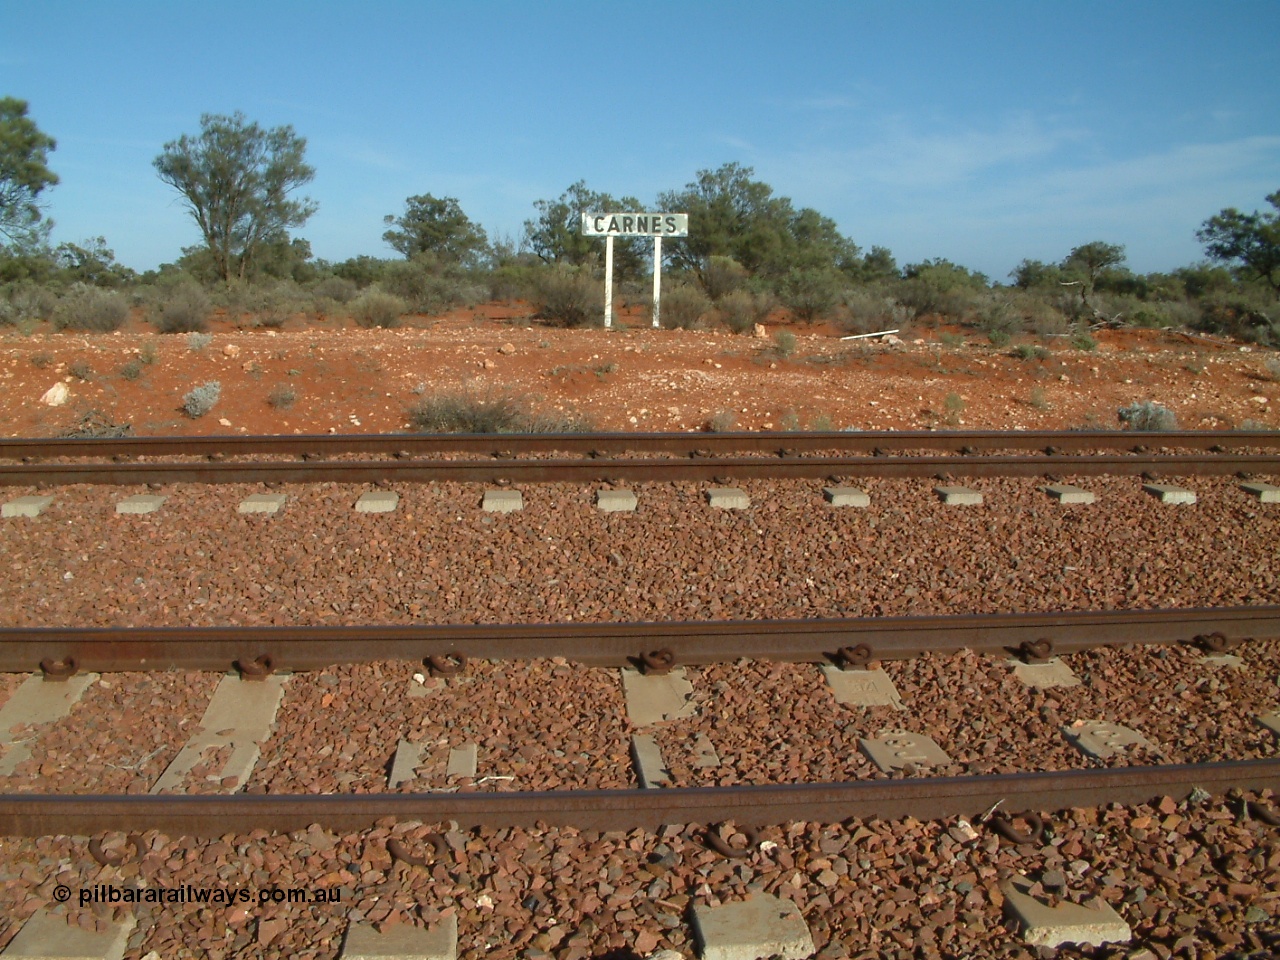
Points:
(749, 250)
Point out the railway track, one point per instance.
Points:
(63, 650)
(852, 644)
(513, 458)
(920, 795)
(680, 444)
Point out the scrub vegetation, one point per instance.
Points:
(750, 253)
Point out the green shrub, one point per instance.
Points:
(1000, 321)
(1081, 340)
(1030, 351)
(1147, 417)
(282, 396)
(201, 399)
(722, 422)
(942, 288)
(429, 286)
(810, 293)
(148, 353)
(870, 310)
(500, 412)
(375, 308)
(682, 307)
(91, 309)
(784, 343)
(337, 289)
(569, 295)
(722, 276)
(954, 405)
(26, 302)
(1245, 314)
(198, 341)
(185, 310)
(81, 370)
(741, 310)
(132, 369)
(512, 281)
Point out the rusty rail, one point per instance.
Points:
(681, 444)
(605, 469)
(919, 797)
(107, 649)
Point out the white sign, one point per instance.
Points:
(635, 224)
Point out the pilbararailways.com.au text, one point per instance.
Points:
(187, 893)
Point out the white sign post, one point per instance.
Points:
(656, 225)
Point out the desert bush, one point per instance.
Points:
(266, 303)
(1246, 314)
(1082, 340)
(741, 310)
(376, 308)
(25, 302)
(185, 310)
(201, 399)
(871, 309)
(569, 295)
(429, 286)
(1040, 316)
(683, 307)
(1147, 417)
(91, 309)
(337, 289)
(942, 288)
(282, 396)
(41, 360)
(1272, 367)
(810, 293)
(81, 370)
(1030, 351)
(148, 353)
(722, 276)
(954, 405)
(512, 281)
(722, 422)
(132, 369)
(495, 412)
(1000, 321)
(784, 343)
(198, 341)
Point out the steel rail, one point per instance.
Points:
(638, 469)
(919, 797)
(684, 444)
(113, 649)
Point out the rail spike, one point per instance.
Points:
(657, 663)
(259, 668)
(58, 669)
(446, 665)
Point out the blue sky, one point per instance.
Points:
(981, 132)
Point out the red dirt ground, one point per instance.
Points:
(348, 380)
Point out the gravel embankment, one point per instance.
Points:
(1183, 876)
(439, 559)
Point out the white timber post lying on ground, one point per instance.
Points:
(656, 225)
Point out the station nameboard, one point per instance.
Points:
(635, 224)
